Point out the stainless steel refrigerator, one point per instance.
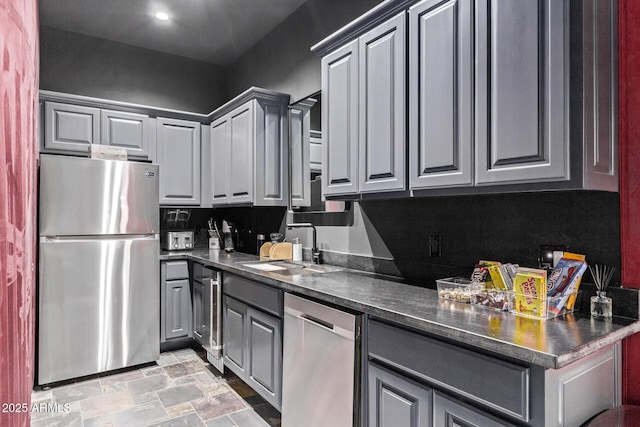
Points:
(98, 282)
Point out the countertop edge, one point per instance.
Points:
(494, 345)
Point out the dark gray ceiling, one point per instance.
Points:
(215, 31)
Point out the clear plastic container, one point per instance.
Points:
(456, 289)
(493, 299)
(546, 308)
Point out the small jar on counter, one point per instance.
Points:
(260, 241)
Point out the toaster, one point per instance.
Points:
(176, 240)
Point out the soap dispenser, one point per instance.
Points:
(297, 250)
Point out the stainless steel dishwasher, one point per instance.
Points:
(320, 380)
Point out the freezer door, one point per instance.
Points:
(99, 305)
(82, 196)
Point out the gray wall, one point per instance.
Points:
(83, 65)
(282, 60)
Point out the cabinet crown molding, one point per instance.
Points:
(361, 25)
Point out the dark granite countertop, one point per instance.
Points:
(550, 343)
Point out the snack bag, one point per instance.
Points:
(497, 278)
(564, 282)
(530, 286)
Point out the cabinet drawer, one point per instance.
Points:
(261, 296)
(177, 270)
(495, 383)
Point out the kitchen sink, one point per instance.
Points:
(288, 268)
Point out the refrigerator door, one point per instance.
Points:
(82, 196)
(99, 305)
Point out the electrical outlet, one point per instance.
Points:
(435, 246)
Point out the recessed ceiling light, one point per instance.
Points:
(163, 16)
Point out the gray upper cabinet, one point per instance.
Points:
(363, 112)
(382, 119)
(440, 93)
(521, 91)
(249, 150)
(503, 95)
(300, 155)
(135, 132)
(339, 121)
(70, 128)
(241, 161)
(179, 160)
(232, 167)
(600, 94)
(220, 154)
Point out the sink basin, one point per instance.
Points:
(287, 268)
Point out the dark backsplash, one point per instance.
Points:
(503, 227)
(250, 221)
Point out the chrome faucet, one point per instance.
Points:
(315, 252)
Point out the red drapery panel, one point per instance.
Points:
(18, 157)
(629, 63)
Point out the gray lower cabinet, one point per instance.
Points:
(249, 153)
(252, 335)
(235, 336)
(264, 354)
(522, 91)
(133, 131)
(441, 65)
(472, 387)
(70, 128)
(396, 401)
(175, 300)
(178, 154)
(452, 412)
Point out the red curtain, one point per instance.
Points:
(18, 167)
(629, 63)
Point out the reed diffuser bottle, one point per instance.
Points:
(601, 303)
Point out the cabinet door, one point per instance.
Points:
(197, 298)
(449, 412)
(395, 401)
(300, 156)
(382, 119)
(179, 160)
(521, 91)
(264, 367)
(135, 132)
(177, 309)
(70, 128)
(271, 154)
(235, 336)
(340, 121)
(220, 160)
(241, 154)
(440, 93)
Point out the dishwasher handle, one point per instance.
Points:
(317, 321)
(328, 318)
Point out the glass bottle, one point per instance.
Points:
(601, 306)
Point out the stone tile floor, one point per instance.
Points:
(181, 389)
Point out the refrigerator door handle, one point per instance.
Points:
(52, 239)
